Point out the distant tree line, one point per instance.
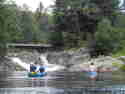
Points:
(96, 20)
(96, 24)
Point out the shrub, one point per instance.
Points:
(108, 38)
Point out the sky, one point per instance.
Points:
(33, 4)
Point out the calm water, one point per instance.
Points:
(62, 83)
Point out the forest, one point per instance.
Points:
(72, 24)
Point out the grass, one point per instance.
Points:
(116, 64)
(120, 66)
(119, 53)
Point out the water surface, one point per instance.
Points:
(62, 82)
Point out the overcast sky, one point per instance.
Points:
(33, 4)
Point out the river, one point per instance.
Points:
(61, 82)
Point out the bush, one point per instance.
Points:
(122, 67)
(108, 38)
(116, 64)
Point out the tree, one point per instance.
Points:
(83, 16)
(56, 39)
(8, 25)
(39, 11)
(27, 23)
(43, 20)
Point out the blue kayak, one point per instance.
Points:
(37, 74)
(92, 74)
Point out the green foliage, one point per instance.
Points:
(56, 39)
(27, 25)
(111, 39)
(122, 67)
(83, 16)
(73, 40)
(4, 36)
(12, 27)
(9, 24)
(107, 38)
(13, 24)
(120, 23)
(75, 11)
(116, 64)
(120, 52)
(69, 15)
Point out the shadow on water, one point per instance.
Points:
(62, 82)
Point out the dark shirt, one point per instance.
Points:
(32, 68)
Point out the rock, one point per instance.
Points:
(122, 58)
(73, 60)
(7, 65)
(79, 67)
(67, 58)
(102, 62)
(61, 58)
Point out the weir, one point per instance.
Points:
(41, 48)
(43, 58)
(38, 47)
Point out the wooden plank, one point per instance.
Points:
(27, 45)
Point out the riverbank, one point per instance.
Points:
(72, 60)
(80, 60)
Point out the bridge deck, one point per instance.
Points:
(28, 45)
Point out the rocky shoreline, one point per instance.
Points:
(73, 60)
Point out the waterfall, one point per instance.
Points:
(50, 67)
(43, 58)
(18, 61)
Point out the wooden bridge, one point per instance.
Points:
(30, 46)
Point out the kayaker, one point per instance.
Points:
(42, 71)
(41, 68)
(92, 71)
(33, 67)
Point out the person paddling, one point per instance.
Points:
(42, 71)
(33, 68)
(41, 68)
(92, 71)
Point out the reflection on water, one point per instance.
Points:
(59, 83)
